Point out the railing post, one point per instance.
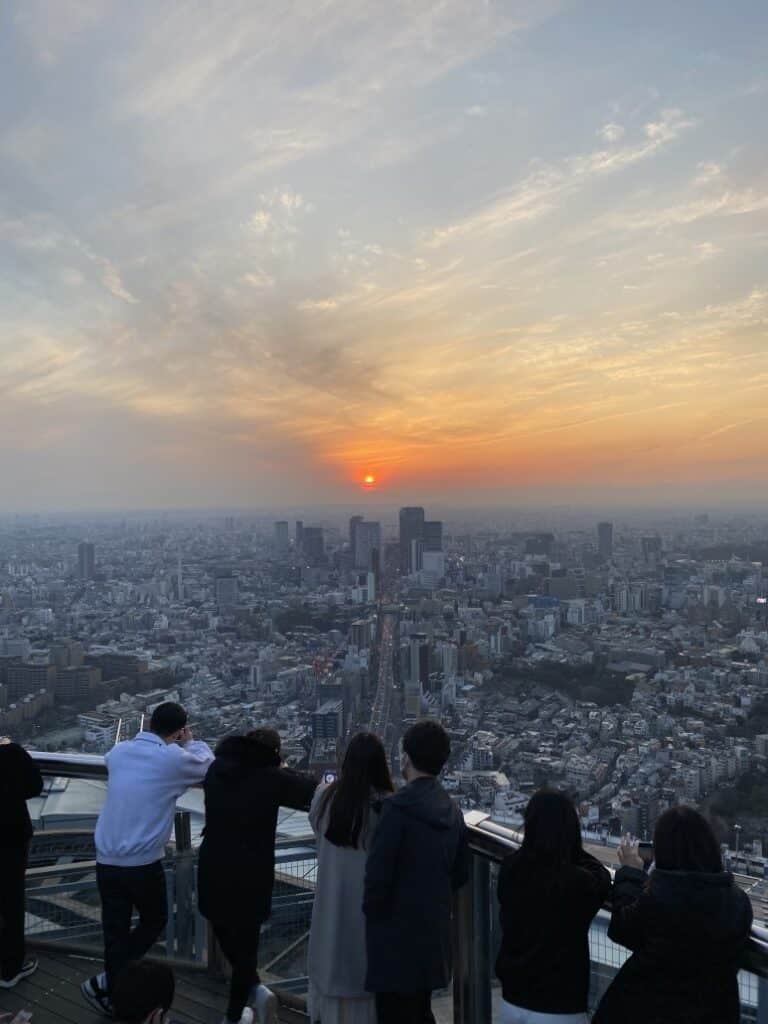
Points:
(472, 947)
(184, 885)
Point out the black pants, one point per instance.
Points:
(13, 865)
(404, 1008)
(122, 890)
(240, 945)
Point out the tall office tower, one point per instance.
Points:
(605, 540)
(416, 557)
(367, 547)
(354, 522)
(86, 560)
(179, 581)
(418, 673)
(313, 545)
(411, 528)
(281, 537)
(433, 535)
(299, 534)
(226, 591)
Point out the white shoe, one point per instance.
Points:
(266, 1005)
(245, 1018)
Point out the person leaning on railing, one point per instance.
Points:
(20, 780)
(344, 816)
(549, 892)
(244, 789)
(146, 776)
(687, 924)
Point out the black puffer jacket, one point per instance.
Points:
(20, 780)
(686, 930)
(244, 788)
(419, 857)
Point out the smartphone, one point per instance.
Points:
(329, 777)
(645, 851)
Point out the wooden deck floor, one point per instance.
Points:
(52, 995)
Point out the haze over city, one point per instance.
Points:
(479, 252)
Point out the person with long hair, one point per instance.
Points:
(344, 816)
(549, 892)
(687, 924)
(244, 789)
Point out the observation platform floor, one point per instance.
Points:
(52, 994)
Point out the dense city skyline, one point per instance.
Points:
(480, 252)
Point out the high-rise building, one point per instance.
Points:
(86, 560)
(313, 545)
(605, 541)
(281, 537)
(433, 535)
(418, 673)
(354, 522)
(299, 534)
(411, 529)
(367, 547)
(226, 592)
(328, 720)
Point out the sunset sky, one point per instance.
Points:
(251, 251)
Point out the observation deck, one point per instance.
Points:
(63, 921)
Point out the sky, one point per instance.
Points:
(505, 252)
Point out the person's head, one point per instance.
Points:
(426, 748)
(265, 746)
(364, 773)
(143, 993)
(168, 721)
(683, 840)
(552, 833)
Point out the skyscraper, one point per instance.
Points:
(605, 541)
(354, 522)
(418, 673)
(86, 560)
(281, 537)
(367, 548)
(411, 528)
(313, 545)
(433, 535)
(226, 591)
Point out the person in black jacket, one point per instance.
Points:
(687, 925)
(549, 891)
(418, 859)
(20, 780)
(244, 788)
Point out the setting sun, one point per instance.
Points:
(369, 480)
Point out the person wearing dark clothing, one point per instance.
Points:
(244, 789)
(20, 780)
(687, 925)
(418, 859)
(549, 892)
(143, 994)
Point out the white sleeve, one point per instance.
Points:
(191, 763)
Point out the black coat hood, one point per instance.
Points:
(427, 801)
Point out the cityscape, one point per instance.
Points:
(625, 661)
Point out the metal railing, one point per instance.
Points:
(63, 909)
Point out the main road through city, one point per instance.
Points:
(385, 714)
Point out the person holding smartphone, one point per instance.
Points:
(146, 776)
(687, 924)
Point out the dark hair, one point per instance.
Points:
(428, 746)
(683, 840)
(552, 832)
(364, 772)
(142, 987)
(167, 719)
(266, 746)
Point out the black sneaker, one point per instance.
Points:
(96, 996)
(29, 966)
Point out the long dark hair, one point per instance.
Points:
(683, 840)
(552, 837)
(364, 772)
